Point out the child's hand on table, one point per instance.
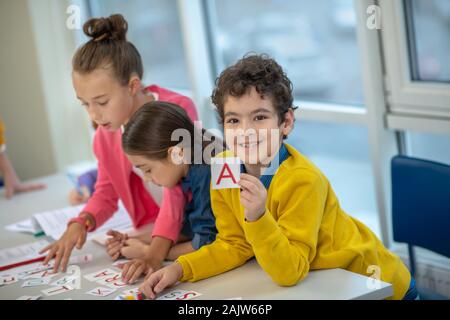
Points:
(135, 249)
(115, 243)
(75, 235)
(132, 270)
(157, 281)
(253, 197)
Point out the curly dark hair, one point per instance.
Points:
(261, 72)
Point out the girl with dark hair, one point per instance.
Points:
(163, 142)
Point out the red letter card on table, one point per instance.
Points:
(225, 173)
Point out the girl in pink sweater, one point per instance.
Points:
(107, 73)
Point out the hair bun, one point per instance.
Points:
(114, 27)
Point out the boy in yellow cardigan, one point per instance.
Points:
(289, 217)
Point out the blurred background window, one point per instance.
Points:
(428, 24)
(429, 146)
(315, 42)
(154, 28)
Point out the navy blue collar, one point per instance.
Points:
(267, 176)
(194, 170)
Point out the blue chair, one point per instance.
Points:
(421, 209)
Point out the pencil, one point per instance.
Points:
(21, 263)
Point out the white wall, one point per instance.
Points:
(47, 129)
(22, 105)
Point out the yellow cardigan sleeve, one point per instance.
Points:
(230, 249)
(284, 247)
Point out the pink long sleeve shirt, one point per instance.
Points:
(116, 180)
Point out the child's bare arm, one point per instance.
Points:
(146, 237)
(157, 250)
(146, 258)
(179, 250)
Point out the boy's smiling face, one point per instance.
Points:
(252, 127)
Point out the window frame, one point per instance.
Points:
(408, 99)
(91, 6)
(309, 110)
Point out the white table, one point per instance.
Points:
(248, 282)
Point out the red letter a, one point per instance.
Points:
(222, 174)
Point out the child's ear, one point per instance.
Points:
(288, 124)
(134, 85)
(175, 154)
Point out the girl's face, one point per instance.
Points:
(252, 129)
(108, 103)
(163, 173)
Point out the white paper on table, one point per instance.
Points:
(54, 223)
(36, 282)
(225, 173)
(38, 270)
(8, 279)
(21, 253)
(27, 271)
(26, 226)
(42, 274)
(65, 280)
(75, 272)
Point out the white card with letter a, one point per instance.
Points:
(225, 173)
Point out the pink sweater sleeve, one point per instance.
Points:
(170, 217)
(188, 105)
(103, 203)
